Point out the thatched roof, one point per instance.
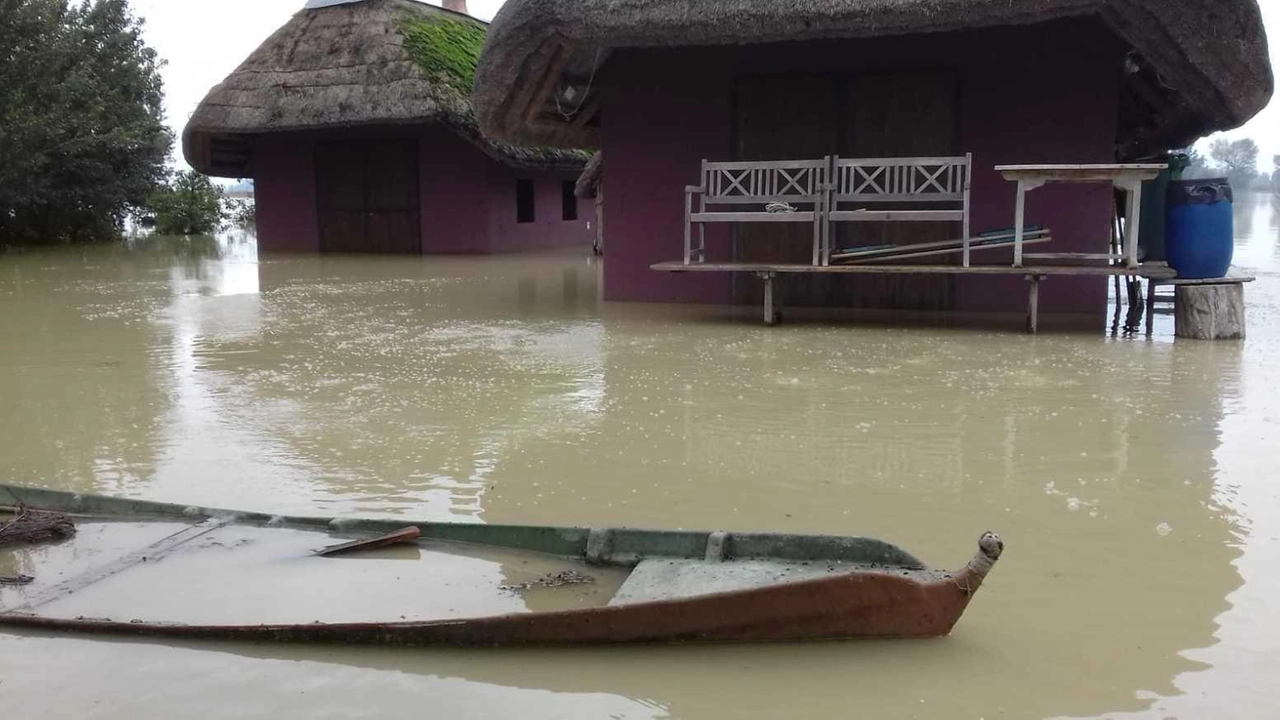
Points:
(589, 181)
(1207, 58)
(369, 62)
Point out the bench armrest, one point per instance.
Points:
(694, 189)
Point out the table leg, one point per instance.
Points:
(1018, 214)
(1132, 218)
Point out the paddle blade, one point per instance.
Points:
(398, 536)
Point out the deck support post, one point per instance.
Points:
(1151, 306)
(1033, 303)
(771, 313)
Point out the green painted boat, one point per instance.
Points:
(190, 565)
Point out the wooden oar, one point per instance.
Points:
(399, 536)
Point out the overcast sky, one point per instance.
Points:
(204, 40)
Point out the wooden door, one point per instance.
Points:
(901, 115)
(367, 197)
(791, 117)
(784, 117)
(340, 197)
(392, 180)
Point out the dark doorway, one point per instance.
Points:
(526, 208)
(568, 200)
(786, 117)
(367, 196)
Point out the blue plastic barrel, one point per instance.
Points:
(1199, 230)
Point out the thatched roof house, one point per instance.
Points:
(395, 72)
(1207, 58)
(347, 64)
(660, 85)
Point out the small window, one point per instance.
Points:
(569, 200)
(524, 201)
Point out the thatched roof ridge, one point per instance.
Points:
(1211, 54)
(349, 65)
(589, 181)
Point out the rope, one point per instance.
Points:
(981, 564)
(595, 65)
(780, 208)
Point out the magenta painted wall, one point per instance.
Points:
(1043, 93)
(285, 194)
(549, 228)
(659, 121)
(454, 197)
(467, 199)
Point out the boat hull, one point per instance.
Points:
(873, 589)
(861, 605)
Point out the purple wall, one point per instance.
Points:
(1043, 93)
(659, 122)
(467, 198)
(284, 187)
(549, 228)
(453, 194)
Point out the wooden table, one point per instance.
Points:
(1127, 177)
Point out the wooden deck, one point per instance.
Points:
(1149, 271)
(768, 271)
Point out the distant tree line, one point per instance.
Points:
(82, 133)
(1236, 160)
(83, 144)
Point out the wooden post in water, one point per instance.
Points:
(1033, 304)
(1209, 311)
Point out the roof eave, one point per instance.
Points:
(528, 37)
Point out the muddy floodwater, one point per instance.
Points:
(1136, 481)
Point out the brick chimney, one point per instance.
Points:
(459, 6)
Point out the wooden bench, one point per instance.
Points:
(788, 191)
(862, 187)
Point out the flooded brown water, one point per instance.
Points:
(1133, 479)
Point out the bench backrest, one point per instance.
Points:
(741, 183)
(897, 180)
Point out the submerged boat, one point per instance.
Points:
(141, 568)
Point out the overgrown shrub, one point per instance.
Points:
(190, 204)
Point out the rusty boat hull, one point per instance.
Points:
(683, 586)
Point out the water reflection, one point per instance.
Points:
(1126, 476)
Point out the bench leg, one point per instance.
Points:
(1033, 304)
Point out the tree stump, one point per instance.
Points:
(1209, 312)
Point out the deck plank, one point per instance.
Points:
(1158, 271)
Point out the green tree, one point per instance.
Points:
(1239, 160)
(1197, 165)
(190, 204)
(82, 134)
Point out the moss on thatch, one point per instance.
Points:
(445, 48)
